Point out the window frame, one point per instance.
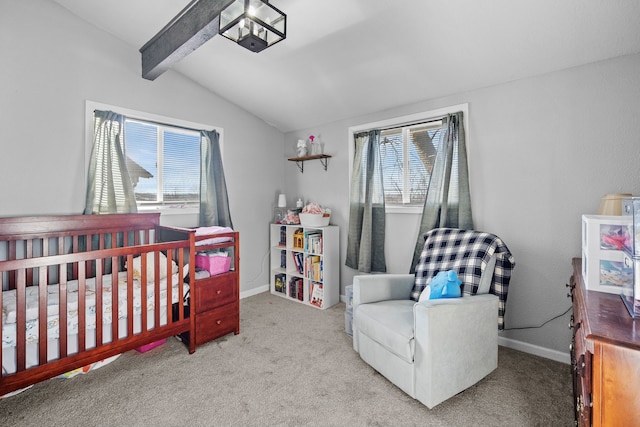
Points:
(91, 106)
(424, 116)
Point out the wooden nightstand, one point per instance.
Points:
(215, 301)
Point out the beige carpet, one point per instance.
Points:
(291, 365)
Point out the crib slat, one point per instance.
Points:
(29, 254)
(98, 302)
(143, 292)
(156, 288)
(12, 255)
(21, 320)
(42, 316)
(143, 279)
(169, 285)
(62, 312)
(98, 306)
(75, 250)
(114, 303)
(181, 284)
(82, 324)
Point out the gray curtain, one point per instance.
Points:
(214, 201)
(365, 241)
(447, 206)
(109, 187)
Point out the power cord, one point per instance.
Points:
(261, 268)
(540, 326)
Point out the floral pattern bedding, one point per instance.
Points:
(9, 306)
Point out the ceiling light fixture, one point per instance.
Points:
(253, 24)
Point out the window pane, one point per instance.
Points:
(424, 144)
(181, 167)
(142, 159)
(408, 155)
(392, 170)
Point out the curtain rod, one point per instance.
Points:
(400, 125)
(154, 122)
(164, 124)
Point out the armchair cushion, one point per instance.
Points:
(467, 252)
(390, 324)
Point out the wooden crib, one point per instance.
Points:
(57, 272)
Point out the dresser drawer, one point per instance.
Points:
(215, 292)
(216, 323)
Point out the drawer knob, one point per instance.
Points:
(218, 322)
(218, 292)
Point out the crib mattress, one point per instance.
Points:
(9, 313)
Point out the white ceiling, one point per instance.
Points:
(345, 58)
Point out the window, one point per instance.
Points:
(162, 155)
(407, 154)
(408, 149)
(163, 162)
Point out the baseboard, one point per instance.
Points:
(536, 350)
(254, 291)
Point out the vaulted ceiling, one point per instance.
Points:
(345, 58)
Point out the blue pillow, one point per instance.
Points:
(445, 284)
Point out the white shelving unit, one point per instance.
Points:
(304, 264)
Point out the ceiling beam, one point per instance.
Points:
(191, 28)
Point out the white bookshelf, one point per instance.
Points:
(316, 267)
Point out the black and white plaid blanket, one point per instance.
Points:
(467, 252)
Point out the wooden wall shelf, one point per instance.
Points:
(300, 160)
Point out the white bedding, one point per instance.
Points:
(214, 229)
(32, 298)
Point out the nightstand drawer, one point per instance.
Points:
(215, 293)
(216, 323)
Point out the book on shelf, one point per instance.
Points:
(297, 261)
(317, 293)
(313, 242)
(296, 290)
(313, 267)
(280, 280)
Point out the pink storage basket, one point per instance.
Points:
(214, 264)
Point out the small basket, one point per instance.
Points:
(314, 220)
(214, 264)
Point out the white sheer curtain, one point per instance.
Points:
(109, 187)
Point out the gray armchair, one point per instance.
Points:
(434, 349)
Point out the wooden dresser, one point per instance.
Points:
(605, 357)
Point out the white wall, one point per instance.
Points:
(53, 62)
(543, 151)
